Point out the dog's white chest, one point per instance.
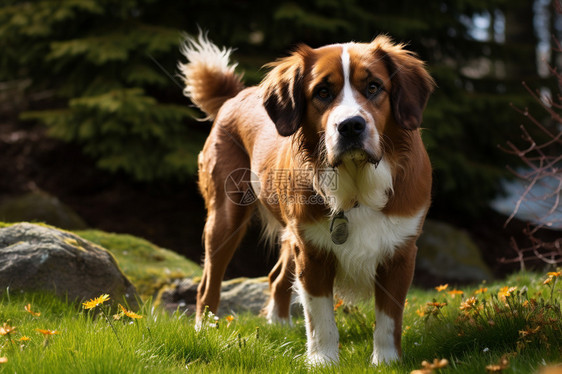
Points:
(372, 238)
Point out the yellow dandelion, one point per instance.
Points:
(547, 280)
(420, 311)
(436, 304)
(24, 338)
(6, 329)
(28, 310)
(481, 290)
(469, 303)
(95, 302)
(47, 332)
(442, 287)
(554, 274)
(454, 293)
(506, 292)
(3, 360)
(129, 313)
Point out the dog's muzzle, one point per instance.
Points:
(352, 134)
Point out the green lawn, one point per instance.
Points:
(523, 325)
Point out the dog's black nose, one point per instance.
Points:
(352, 127)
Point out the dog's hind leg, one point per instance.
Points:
(224, 181)
(281, 280)
(224, 229)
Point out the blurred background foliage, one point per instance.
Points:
(103, 74)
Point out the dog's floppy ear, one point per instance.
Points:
(283, 91)
(411, 83)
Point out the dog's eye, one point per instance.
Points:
(323, 93)
(373, 89)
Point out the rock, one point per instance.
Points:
(243, 295)
(237, 296)
(449, 254)
(39, 258)
(39, 206)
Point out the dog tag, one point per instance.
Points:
(338, 228)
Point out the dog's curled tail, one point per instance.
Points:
(208, 75)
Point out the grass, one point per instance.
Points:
(523, 326)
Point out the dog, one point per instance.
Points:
(328, 149)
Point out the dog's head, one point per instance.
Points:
(350, 95)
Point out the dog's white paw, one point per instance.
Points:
(319, 360)
(385, 355)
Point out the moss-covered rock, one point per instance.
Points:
(42, 258)
(148, 266)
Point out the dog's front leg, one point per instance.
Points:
(390, 296)
(315, 280)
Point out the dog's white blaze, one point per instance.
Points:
(373, 238)
(321, 330)
(348, 107)
(384, 349)
(348, 98)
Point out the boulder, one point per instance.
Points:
(41, 258)
(237, 296)
(449, 254)
(39, 206)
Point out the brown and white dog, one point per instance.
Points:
(330, 147)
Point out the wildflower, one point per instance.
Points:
(405, 303)
(47, 332)
(28, 310)
(481, 290)
(529, 331)
(338, 304)
(506, 292)
(500, 366)
(3, 360)
(547, 280)
(95, 302)
(428, 367)
(554, 274)
(420, 311)
(436, 305)
(6, 329)
(229, 319)
(129, 313)
(24, 338)
(454, 293)
(442, 287)
(469, 303)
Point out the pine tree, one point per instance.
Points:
(103, 59)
